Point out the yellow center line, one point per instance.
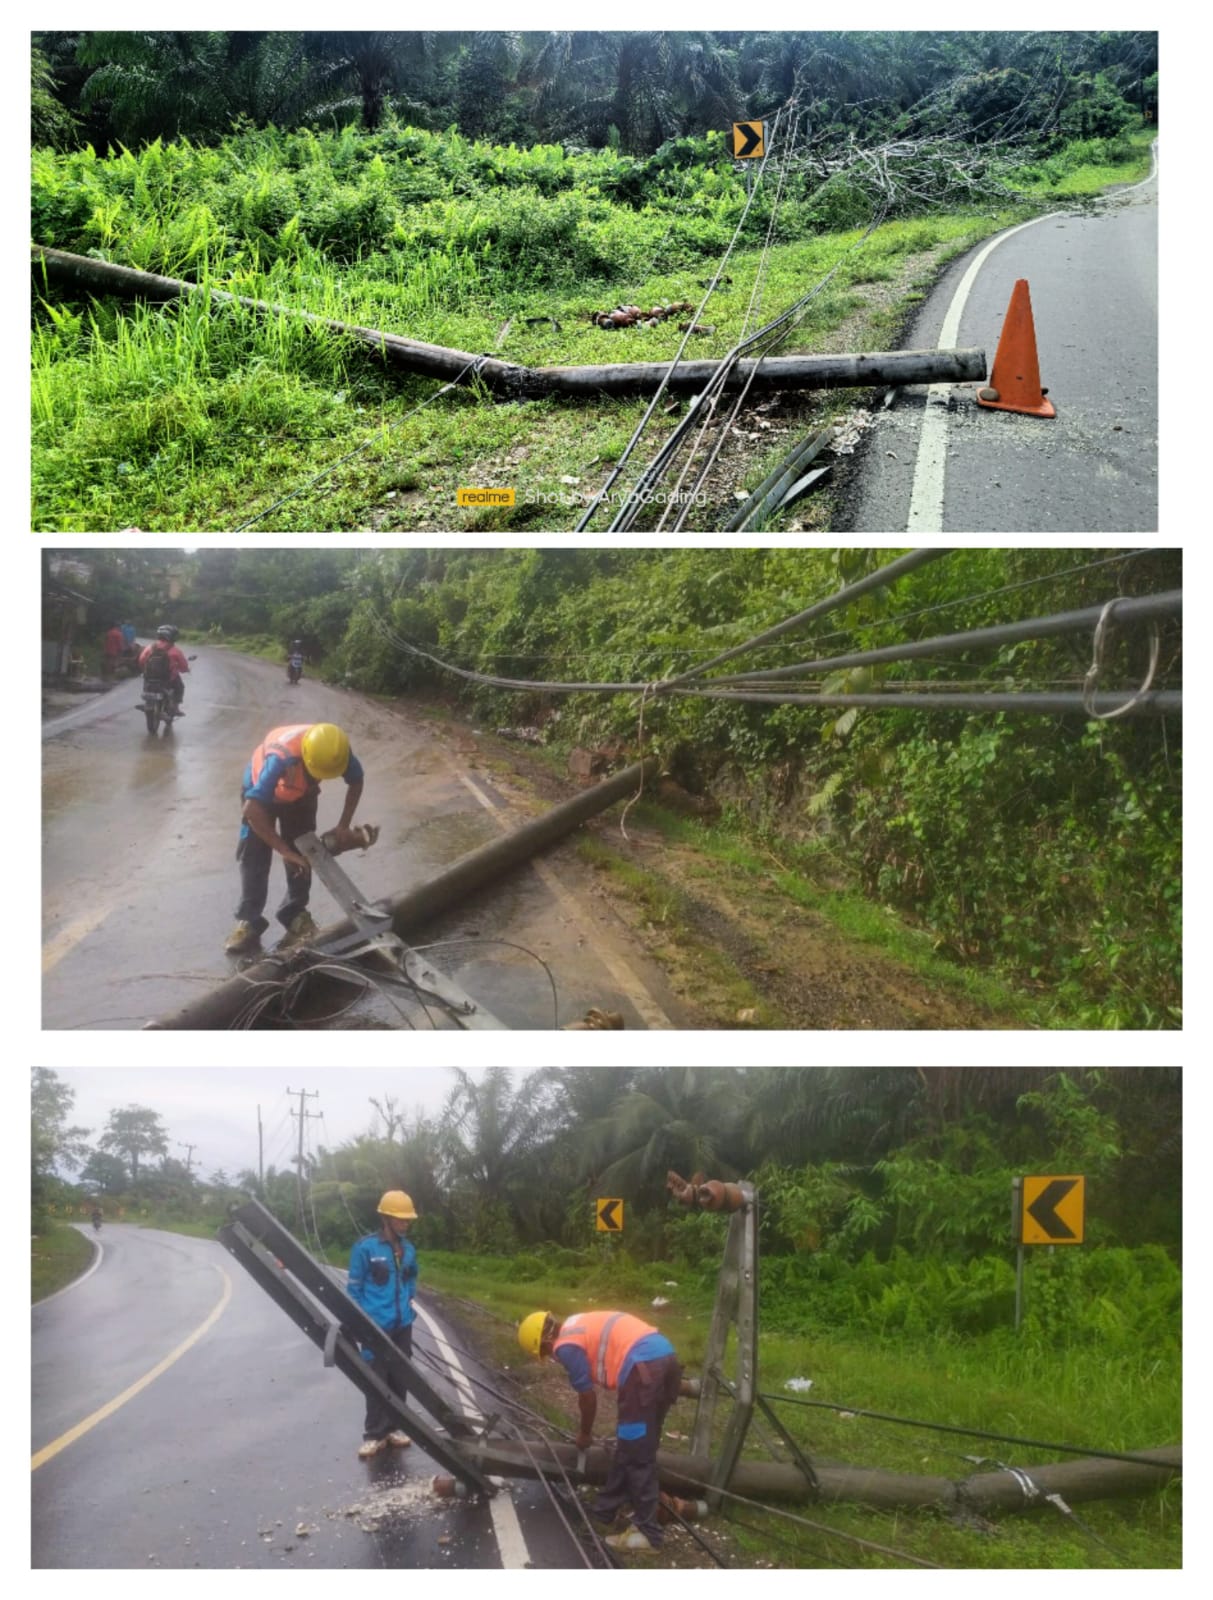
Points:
(54, 951)
(61, 1443)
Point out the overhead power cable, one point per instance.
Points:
(691, 325)
(1122, 609)
(1164, 702)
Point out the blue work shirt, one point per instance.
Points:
(575, 1362)
(383, 1283)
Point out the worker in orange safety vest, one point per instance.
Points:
(614, 1350)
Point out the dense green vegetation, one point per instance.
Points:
(886, 1271)
(1047, 849)
(183, 417)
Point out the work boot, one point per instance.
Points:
(401, 1441)
(301, 931)
(244, 936)
(632, 1542)
(371, 1447)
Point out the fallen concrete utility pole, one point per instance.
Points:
(83, 275)
(417, 906)
(1018, 1490)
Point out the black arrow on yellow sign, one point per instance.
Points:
(1043, 1209)
(610, 1216)
(749, 139)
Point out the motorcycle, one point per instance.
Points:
(159, 703)
(97, 1224)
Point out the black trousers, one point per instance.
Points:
(380, 1420)
(255, 857)
(648, 1392)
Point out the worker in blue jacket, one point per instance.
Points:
(382, 1279)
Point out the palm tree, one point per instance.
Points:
(681, 1118)
(372, 65)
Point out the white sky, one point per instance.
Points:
(215, 1108)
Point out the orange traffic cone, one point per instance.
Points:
(1015, 380)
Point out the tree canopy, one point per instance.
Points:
(633, 89)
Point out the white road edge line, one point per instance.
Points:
(49, 1451)
(76, 1282)
(653, 1017)
(926, 496)
(511, 1541)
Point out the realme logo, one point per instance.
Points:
(484, 497)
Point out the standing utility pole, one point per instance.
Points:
(189, 1159)
(260, 1158)
(303, 1114)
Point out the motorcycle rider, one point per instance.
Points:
(97, 1219)
(165, 644)
(281, 791)
(294, 661)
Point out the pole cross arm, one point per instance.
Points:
(305, 1291)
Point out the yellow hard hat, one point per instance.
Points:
(326, 750)
(395, 1203)
(530, 1331)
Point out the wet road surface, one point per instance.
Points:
(241, 1441)
(1093, 277)
(140, 880)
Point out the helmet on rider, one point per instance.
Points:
(167, 632)
(325, 750)
(296, 644)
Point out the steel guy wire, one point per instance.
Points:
(652, 406)
(808, 1522)
(968, 1433)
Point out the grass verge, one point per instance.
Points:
(991, 1382)
(179, 417)
(58, 1256)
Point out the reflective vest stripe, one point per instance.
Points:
(600, 1371)
(604, 1337)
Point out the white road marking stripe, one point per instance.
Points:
(41, 1457)
(511, 1543)
(926, 497)
(629, 983)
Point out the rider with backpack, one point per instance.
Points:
(162, 662)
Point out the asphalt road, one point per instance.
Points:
(938, 463)
(140, 880)
(243, 1438)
